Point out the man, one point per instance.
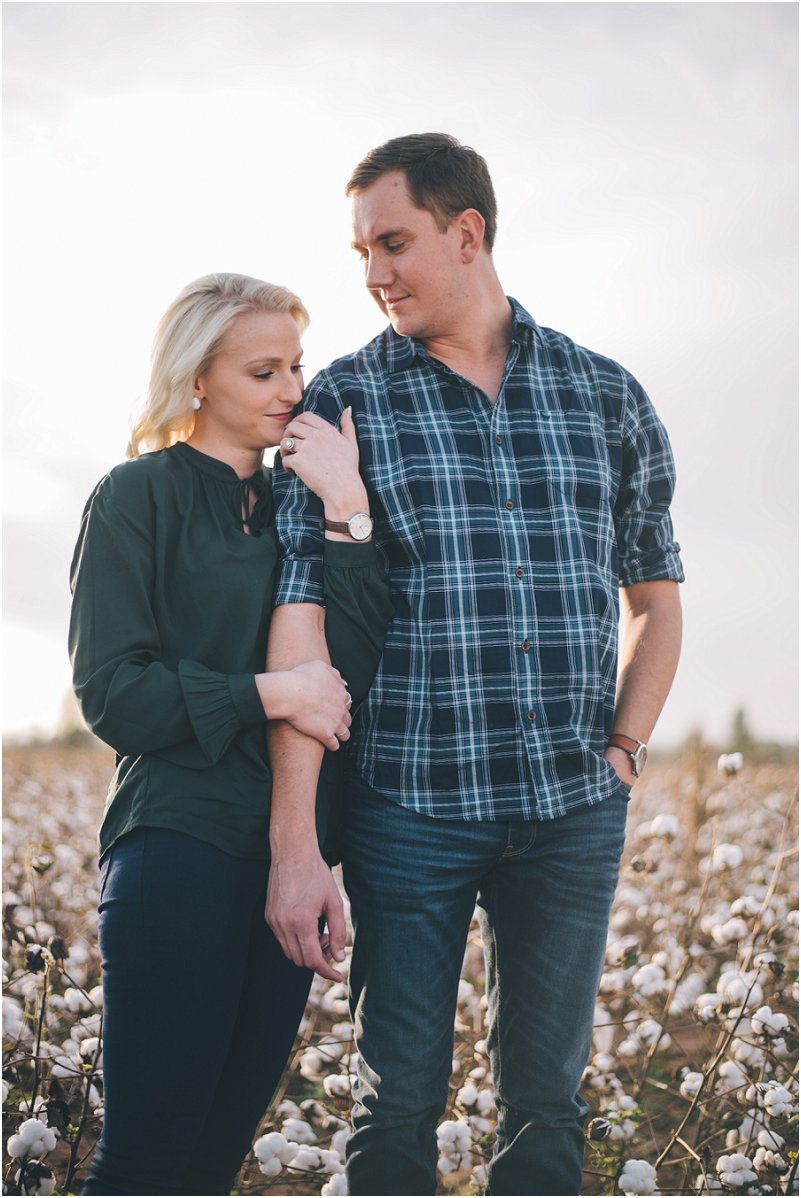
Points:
(515, 481)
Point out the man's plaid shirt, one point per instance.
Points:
(507, 530)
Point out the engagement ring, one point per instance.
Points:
(289, 445)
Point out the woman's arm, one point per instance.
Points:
(130, 697)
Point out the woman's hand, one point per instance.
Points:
(312, 697)
(326, 460)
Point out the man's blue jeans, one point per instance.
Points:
(544, 891)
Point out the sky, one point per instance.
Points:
(644, 157)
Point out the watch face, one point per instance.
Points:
(638, 760)
(360, 526)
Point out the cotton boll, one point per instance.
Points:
(726, 856)
(691, 1084)
(769, 1161)
(735, 1170)
(35, 1178)
(467, 1095)
(339, 1140)
(298, 1130)
(267, 1146)
(638, 1177)
(306, 1158)
(730, 932)
(665, 826)
(271, 1167)
(769, 1024)
(336, 1086)
(335, 1187)
(330, 1161)
(731, 1076)
(730, 764)
(485, 1102)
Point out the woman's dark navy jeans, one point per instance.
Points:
(200, 1011)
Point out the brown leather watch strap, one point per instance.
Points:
(627, 743)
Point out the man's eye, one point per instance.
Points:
(299, 366)
(394, 246)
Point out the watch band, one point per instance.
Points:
(627, 743)
(336, 525)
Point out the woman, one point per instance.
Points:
(172, 581)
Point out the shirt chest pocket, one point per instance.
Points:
(567, 453)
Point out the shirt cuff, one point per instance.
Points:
(301, 581)
(219, 706)
(348, 554)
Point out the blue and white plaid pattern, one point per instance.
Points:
(507, 529)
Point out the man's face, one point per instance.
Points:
(412, 269)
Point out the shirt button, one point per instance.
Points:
(519, 572)
(498, 441)
(525, 647)
(509, 504)
(532, 715)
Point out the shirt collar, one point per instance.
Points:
(403, 351)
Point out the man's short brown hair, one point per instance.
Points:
(443, 177)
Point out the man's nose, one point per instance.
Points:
(378, 272)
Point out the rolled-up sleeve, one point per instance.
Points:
(647, 550)
(349, 579)
(130, 696)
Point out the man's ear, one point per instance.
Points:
(470, 224)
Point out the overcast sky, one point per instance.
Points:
(645, 161)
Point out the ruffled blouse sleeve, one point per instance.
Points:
(131, 695)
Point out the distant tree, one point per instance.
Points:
(741, 739)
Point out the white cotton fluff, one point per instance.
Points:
(735, 1170)
(777, 1100)
(768, 1023)
(732, 1076)
(485, 1102)
(707, 1007)
(33, 1139)
(649, 980)
(706, 1183)
(730, 932)
(638, 1177)
(336, 1085)
(690, 1085)
(76, 1000)
(298, 1130)
(338, 1142)
(313, 1064)
(274, 1147)
(730, 764)
(665, 826)
(38, 1180)
(726, 856)
(306, 1158)
(738, 987)
(335, 1187)
(769, 1161)
(467, 1095)
(453, 1136)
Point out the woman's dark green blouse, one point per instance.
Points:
(171, 609)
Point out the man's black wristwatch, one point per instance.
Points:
(635, 750)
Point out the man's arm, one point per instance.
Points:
(649, 653)
(301, 887)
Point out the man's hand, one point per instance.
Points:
(301, 890)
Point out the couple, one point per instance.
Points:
(513, 481)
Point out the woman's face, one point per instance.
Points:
(248, 392)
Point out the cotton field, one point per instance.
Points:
(693, 1081)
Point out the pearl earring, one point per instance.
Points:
(196, 404)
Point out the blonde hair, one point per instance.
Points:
(188, 337)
